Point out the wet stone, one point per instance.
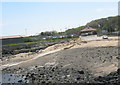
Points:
(81, 72)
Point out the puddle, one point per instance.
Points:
(14, 78)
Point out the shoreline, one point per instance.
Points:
(96, 59)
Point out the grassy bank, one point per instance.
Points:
(34, 46)
(48, 40)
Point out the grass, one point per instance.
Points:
(49, 40)
(34, 48)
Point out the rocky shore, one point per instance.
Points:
(65, 75)
(96, 64)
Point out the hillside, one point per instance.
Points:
(110, 24)
(74, 30)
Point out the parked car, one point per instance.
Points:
(44, 38)
(104, 37)
(84, 33)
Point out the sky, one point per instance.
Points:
(29, 18)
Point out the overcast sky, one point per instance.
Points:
(46, 16)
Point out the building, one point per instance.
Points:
(88, 31)
(14, 36)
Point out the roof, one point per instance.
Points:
(14, 36)
(88, 29)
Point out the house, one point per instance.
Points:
(88, 31)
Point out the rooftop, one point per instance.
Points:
(13, 36)
(88, 29)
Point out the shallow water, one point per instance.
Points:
(14, 78)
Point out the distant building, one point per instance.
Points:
(14, 36)
(104, 31)
(88, 31)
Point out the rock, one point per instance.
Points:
(78, 78)
(81, 72)
(20, 81)
(118, 71)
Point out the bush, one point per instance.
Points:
(28, 40)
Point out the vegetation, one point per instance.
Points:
(110, 24)
(51, 33)
(74, 30)
(39, 41)
(30, 46)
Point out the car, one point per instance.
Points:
(104, 37)
(84, 33)
(44, 38)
